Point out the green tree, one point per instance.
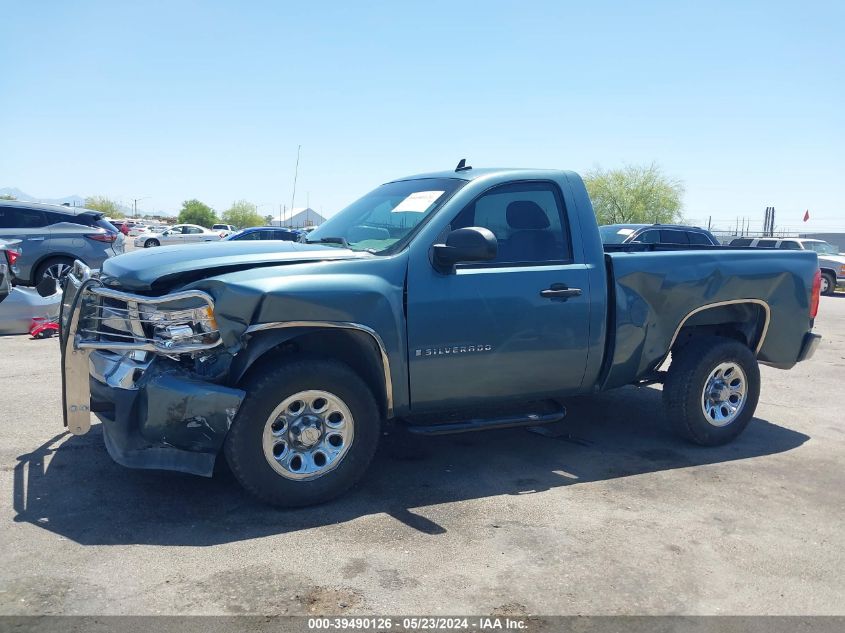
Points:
(242, 214)
(268, 220)
(635, 194)
(196, 212)
(104, 205)
(7, 196)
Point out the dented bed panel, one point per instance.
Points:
(656, 292)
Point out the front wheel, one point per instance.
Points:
(305, 433)
(828, 286)
(151, 243)
(55, 268)
(712, 390)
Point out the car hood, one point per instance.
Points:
(833, 259)
(159, 269)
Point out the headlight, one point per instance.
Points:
(174, 328)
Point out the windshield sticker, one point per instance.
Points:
(624, 231)
(418, 202)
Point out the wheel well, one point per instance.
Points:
(743, 322)
(355, 348)
(828, 271)
(45, 258)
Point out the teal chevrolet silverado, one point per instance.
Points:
(450, 302)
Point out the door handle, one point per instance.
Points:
(35, 239)
(560, 292)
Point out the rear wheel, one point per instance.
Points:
(151, 242)
(712, 390)
(55, 268)
(828, 286)
(305, 433)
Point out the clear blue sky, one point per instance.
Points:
(742, 101)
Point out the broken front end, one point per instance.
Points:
(152, 369)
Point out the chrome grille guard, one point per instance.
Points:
(81, 324)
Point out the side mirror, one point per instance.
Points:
(166, 233)
(463, 246)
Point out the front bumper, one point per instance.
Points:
(155, 413)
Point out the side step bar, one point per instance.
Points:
(485, 424)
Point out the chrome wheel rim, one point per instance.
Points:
(825, 285)
(57, 271)
(724, 394)
(308, 434)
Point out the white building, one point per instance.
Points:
(299, 218)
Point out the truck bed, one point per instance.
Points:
(652, 293)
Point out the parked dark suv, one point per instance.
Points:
(656, 234)
(52, 236)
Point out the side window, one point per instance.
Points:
(7, 218)
(193, 230)
(742, 241)
(669, 236)
(792, 246)
(12, 218)
(766, 243)
(527, 220)
(255, 235)
(698, 238)
(648, 237)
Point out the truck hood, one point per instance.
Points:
(158, 269)
(832, 259)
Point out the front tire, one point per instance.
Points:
(151, 242)
(712, 390)
(55, 268)
(305, 433)
(828, 284)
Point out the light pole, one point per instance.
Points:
(135, 202)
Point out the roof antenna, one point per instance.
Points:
(462, 165)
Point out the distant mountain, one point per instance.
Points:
(74, 201)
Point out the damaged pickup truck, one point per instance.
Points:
(454, 301)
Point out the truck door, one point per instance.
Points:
(515, 327)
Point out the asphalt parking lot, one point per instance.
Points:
(613, 515)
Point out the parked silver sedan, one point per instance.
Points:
(178, 234)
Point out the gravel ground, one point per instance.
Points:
(615, 515)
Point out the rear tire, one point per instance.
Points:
(712, 390)
(828, 284)
(152, 242)
(54, 267)
(305, 433)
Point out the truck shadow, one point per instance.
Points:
(71, 487)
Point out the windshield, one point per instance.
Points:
(386, 215)
(822, 248)
(615, 234)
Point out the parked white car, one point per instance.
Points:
(137, 229)
(178, 234)
(228, 229)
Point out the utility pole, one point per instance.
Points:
(295, 174)
(135, 202)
